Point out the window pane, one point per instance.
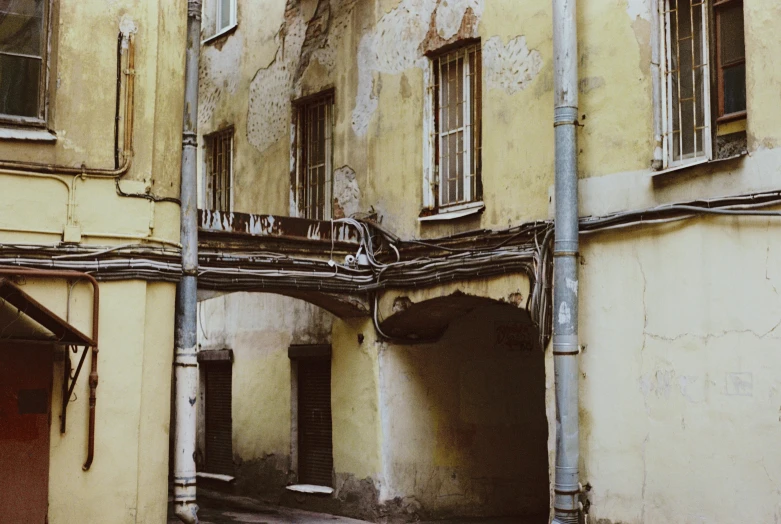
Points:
(21, 26)
(19, 84)
(731, 34)
(225, 14)
(735, 89)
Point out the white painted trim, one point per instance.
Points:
(217, 35)
(453, 212)
(27, 134)
(215, 476)
(310, 488)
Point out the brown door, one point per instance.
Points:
(25, 399)
(315, 449)
(219, 425)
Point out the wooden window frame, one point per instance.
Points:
(46, 77)
(224, 201)
(718, 7)
(434, 187)
(302, 170)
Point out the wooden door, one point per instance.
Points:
(25, 404)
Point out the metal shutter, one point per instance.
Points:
(219, 425)
(315, 457)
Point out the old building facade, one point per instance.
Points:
(379, 176)
(90, 134)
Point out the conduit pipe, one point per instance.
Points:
(656, 87)
(93, 375)
(565, 262)
(185, 360)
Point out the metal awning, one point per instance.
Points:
(24, 319)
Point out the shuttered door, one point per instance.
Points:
(315, 457)
(219, 426)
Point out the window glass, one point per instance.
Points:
(21, 56)
(732, 58)
(224, 18)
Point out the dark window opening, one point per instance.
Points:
(731, 60)
(314, 136)
(219, 170)
(22, 57)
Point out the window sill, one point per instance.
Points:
(454, 212)
(27, 134)
(215, 476)
(310, 488)
(699, 162)
(222, 33)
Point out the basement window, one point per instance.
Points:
(455, 143)
(699, 100)
(219, 170)
(24, 73)
(313, 156)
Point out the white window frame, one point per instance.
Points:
(667, 85)
(216, 15)
(432, 187)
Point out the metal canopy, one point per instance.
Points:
(24, 319)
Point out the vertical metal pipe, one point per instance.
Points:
(565, 267)
(185, 360)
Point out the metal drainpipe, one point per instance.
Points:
(185, 360)
(565, 266)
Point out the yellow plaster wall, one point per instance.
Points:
(681, 326)
(128, 478)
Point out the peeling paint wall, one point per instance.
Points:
(678, 369)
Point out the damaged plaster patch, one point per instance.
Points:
(347, 194)
(512, 67)
(639, 9)
(565, 316)
(392, 46)
(219, 73)
(269, 91)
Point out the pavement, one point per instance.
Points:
(219, 508)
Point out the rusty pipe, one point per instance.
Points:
(130, 90)
(93, 375)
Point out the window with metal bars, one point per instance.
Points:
(219, 170)
(456, 93)
(24, 36)
(694, 96)
(313, 156)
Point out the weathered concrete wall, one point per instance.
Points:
(678, 369)
(127, 482)
(464, 421)
(259, 328)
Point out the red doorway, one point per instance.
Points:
(25, 407)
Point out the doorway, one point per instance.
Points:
(25, 406)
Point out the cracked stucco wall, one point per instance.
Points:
(682, 331)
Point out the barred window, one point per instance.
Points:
(457, 112)
(24, 34)
(219, 170)
(695, 96)
(314, 142)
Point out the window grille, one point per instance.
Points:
(314, 132)
(23, 72)
(219, 170)
(686, 76)
(457, 96)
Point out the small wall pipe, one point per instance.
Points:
(565, 262)
(185, 359)
(93, 375)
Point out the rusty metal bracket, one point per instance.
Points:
(68, 383)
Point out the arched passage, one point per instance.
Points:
(464, 418)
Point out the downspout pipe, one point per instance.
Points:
(185, 359)
(565, 263)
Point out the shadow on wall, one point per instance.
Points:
(464, 418)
